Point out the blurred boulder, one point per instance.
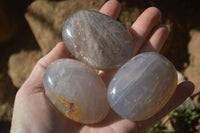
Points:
(6, 88)
(7, 94)
(46, 19)
(192, 72)
(128, 15)
(6, 110)
(21, 65)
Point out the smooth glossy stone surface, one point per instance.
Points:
(97, 40)
(76, 90)
(142, 86)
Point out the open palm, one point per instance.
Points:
(33, 112)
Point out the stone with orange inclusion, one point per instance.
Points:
(76, 90)
(72, 110)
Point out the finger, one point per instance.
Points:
(107, 76)
(156, 39)
(143, 26)
(183, 91)
(111, 8)
(35, 80)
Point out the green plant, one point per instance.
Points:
(159, 127)
(185, 120)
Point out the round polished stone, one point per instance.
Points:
(142, 86)
(97, 40)
(76, 90)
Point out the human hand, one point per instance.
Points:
(33, 112)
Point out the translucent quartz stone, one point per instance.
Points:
(97, 40)
(142, 86)
(76, 90)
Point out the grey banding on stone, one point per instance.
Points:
(97, 40)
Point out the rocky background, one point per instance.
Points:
(30, 29)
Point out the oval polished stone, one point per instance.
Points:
(76, 90)
(142, 86)
(97, 40)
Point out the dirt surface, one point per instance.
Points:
(27, 39)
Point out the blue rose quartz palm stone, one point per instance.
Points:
(97, 40)
(142, 86)
(76, 91)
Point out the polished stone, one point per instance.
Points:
(76, 90)
(142, 86)
(97, 40)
